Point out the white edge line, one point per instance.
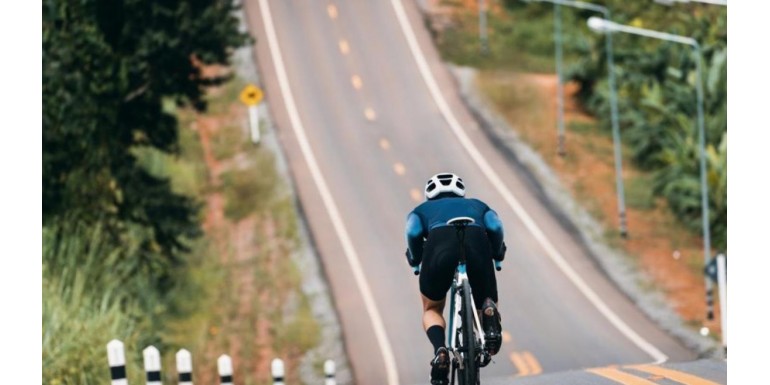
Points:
(550, 250)
(326, 196)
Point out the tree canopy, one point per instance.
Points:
(108, 69)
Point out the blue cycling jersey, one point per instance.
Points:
(435, 213)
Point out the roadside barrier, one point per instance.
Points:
(329, 369)
(184, 367)
(116, 358)
(277, 370)
(152, 365)
(225, 365)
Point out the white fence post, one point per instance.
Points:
(184, 367)
(277, 370)
(117, 360)
(152, 365)
(722, 283)
(329, 369)
(225, 365)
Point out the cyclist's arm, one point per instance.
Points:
(495, 232)
(414, 239)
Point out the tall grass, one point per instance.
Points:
(84, 305)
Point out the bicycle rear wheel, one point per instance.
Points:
(470, 373)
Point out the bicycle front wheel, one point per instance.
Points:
(470, 374)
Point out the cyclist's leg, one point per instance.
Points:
(481, 275)
(481, 271)
(436, 277)
(438, 264)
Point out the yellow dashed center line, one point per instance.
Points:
(675, 375)
(521, 366)
(526, 364)
(370, 114)
(384, 144)
(332, 11)
(416, 195)
(619, 376)
(534, 366)
(344, 47)
(399, 168)
(357, 83)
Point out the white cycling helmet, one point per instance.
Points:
(444, 182)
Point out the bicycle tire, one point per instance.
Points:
(470, 373)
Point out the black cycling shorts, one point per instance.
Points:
(441, 255)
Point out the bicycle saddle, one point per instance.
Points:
(460, 221)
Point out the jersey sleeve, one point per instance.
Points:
(414, 236)
(494, 232)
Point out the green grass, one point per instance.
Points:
(227, 142)
(250, 189)
(520, 37)
(219, 102)
(639, 194)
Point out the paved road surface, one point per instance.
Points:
(363, 131)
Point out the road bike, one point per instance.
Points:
(465, 337)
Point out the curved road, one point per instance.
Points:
(364, 121)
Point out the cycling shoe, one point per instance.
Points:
(439, 373)
(492, 327)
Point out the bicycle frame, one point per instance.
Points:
(454, 312)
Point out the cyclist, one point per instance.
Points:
(434, 243)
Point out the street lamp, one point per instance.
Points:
(613, 98)
(607, 26)
(483, 27)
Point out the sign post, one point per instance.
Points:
(251, 96)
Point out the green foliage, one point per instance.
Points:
(657, 103)
(656, 83)
(116, 226)
(107, 69)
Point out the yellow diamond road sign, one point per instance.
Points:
(251, 95)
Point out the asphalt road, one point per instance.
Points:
(363, 131)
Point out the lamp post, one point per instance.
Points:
(607, 26)
(483, 27)
(613, 99)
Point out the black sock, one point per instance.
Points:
(436, 337)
